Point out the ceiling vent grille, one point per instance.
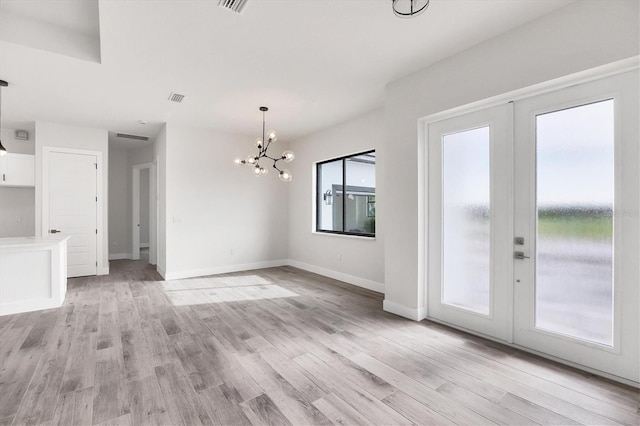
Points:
(136, 137)
(176, 97)
(233, 5)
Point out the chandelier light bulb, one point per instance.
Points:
(263, 171)
(272, 136)
(251, 160)
(256, 170)
(238, 161)
(285, 175)
(259, 143)
(288, 156)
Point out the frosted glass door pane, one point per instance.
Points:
(466, 219)
(574, 250)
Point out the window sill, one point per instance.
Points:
(357, 237)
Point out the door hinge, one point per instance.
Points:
(96, 164)
(96, 263)
(96, 199)
(96, 231)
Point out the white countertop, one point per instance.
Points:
(31, 241)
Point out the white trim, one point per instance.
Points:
(44, 219)
(135, 207)
(415, 314)
(225, 269)
(119, 256)
(144, 245)
(340, 276)
(29, 305)
(161, 271)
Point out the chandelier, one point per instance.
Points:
(409, 8)
(263, 144)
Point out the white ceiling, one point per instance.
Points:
(314, 62)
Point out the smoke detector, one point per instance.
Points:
(233, 5)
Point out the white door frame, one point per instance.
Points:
(135, 208)
(153, 212)
(44, 217)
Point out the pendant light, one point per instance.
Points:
(3, 150)
(409, 8)
(263, 144)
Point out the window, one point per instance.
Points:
(346, 195)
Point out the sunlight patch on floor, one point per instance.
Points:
(198, 291)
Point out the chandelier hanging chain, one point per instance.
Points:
(263, 145)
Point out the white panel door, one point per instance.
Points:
(577, 190)
(72, 184)
(469, 217)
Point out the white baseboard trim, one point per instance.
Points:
(161, 271)
(411, 313)
(215, 270)
(118, 256)
(29, 305)
(350, 279)
(103, 270)
(144, 245)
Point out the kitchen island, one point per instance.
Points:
(33, 273)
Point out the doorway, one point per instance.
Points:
(143, 212)
(533, 230)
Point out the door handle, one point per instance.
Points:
(54, 231)
(520, 255)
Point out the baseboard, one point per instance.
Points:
(144, 245)
(119, 256)
(29, 306)
(350, 279)
(103, 270)
(411, 313)
(215, 270)
(161, 271)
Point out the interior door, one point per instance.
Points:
(72, 182)
(576, 210)
(469, 221)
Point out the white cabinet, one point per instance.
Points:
(17, 170)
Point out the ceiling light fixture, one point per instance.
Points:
(409, 8)
(263, 144)
(3, 83)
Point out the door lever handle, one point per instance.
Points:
(54, 231)
(520, 255)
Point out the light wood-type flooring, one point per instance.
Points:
(276, 346)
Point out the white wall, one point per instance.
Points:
(219, 217)
(160, 152)
(59, 135)
(580, 36)
(357, 260)
(119, 204)
(144, 207)
(17, 205)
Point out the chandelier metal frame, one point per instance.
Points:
(413, 10)
(263, 145)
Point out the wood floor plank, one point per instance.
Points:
(147, 403)
(272, 346)
(183, 403)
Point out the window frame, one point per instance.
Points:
(318, 194)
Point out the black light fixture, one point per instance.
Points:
(409, 8)
(263, 145)
(3, 83)
(327, 197)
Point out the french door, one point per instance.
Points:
(544, 252)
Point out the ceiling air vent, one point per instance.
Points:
(176, 97)
(136, 137)
(233, 5)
